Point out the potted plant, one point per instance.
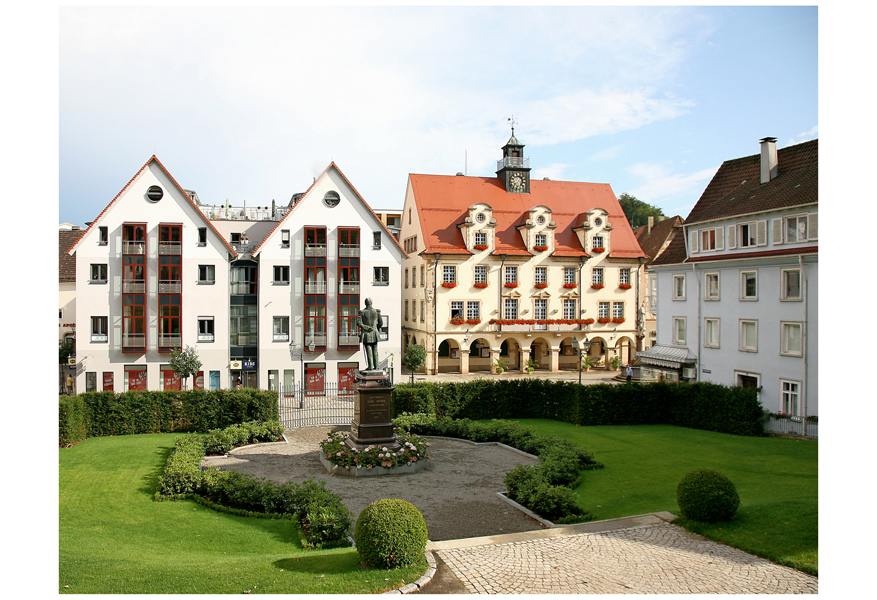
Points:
(457, 321)
(604, 320)
(473, 321)
(588, 361)
(625, 286)
(598, 249)
(449, 284)
(596, 286)
(481, 246)
(481, 285)
(569, 285)
(540, 248)
(531, 366)
(615, 363)
(618, 320)
(499, 366)
(511, 284)
(541, 285)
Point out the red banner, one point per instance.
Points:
(346, 377)
(171, 381)
(199, 380)
(108, 381)
(137, 380)
(316, 379)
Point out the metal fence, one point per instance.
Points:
(791, 426)
(300, 406)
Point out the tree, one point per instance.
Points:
(66, 349)
(415, 356)
(185, 363)
(637, 211)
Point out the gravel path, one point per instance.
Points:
(456, 493)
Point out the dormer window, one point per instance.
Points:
(597, 243)
(481, 240)
(541, 238)
(540, 219)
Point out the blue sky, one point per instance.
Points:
(250, 104)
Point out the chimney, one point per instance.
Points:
(768, 159)
(651, 224)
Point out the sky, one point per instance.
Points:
(250, 104)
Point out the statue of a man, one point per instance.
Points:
(370, 322)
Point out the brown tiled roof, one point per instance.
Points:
(651, 243)
(736, 189)
(66, 262)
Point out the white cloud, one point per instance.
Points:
(555, 171)
(805, 136)
(661, 184)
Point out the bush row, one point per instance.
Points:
(324, 519)
(697, 405)
(547, 488)
(220, 441)
(94, 414)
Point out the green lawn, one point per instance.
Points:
(114, 538)
(775, 477)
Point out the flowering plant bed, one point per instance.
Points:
(540, 321)
(473, 321)
(598, 249)
(540, 248)
(480, 285)
(457, 321)
(481, 246)
(570, 286)
(618, 320)
(510, 285)
(604, 320)
(413, 448)
(541, 286)
(597, 286)
(625, 286)
(449, 284)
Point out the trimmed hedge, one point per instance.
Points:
(94, 414)
(698, 405)
(708, 496)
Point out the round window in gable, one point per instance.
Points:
(154, 193)
(540, 219)
(480, 217)
(331, 199)
(598, 221)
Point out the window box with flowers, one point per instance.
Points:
(618, 320)
(540, 248)
(510, 284)
(481, 284)
(473, 321)
(449, 284)
(598, 249)
(481, 246)
(541, 285)
(625, 286)
(596, 286)
(540, 321)
(457, 321)
(570, 286)
(604, 320)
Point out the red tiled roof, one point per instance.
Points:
(443, 203)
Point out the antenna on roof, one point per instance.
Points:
(513, 121)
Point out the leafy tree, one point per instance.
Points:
(415, 356)
(185, 363)
(637, 211)
(66, 349)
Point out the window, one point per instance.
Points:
(679, 287)
(473, 310)
(406, 284)
(449, 274)
(422, 278)
(90, 381)
(678, 330)
(414, 277)
(235, 238)
(284, 238)
(624, 276)
(133, 322)
(315, 280)
(597, 242)
(480, 273)
(422, 311)
(315, 325)
(103, 236)
(603, 310)
(202, 236)
(569, 308)
(749, 285)
(711, 286)
(791, 282)
(569, 275)
(480, 217)
(206, 274)
(653, 293)
(457, 309)
(206, 329)
(796, 229)
(281, 329)
(791, 394)
(99, 329)
(711, 333)
(382, 276)
(748, 235)
(406, 310)
(281, 274)
(618, 310)
(243, 325)
(376, 240)
(510, 306)
(480, 239)
(541, 274)
(708, 239)
(99, 273)
(597, 276)
(748, 336)
(511, 274)
(384, 331)
(540, 309)
(541, 239)
(169, 321)
(791, 339)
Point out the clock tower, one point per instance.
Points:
(514, 169)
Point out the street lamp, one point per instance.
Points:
(578, 348)
(301, 372)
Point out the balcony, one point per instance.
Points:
(317, 339)
(170, 340)
(513, 161)
(133, 340)
(348, 339)
(133, 286)
(348, 287)
(170, 248)
(315, 287)
(133, 247)
(173, 286)
(315, 249)
(348, 250)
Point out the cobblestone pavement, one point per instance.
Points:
(650, 559)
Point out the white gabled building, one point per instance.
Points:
(738, 290)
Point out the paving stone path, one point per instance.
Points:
(651, 559)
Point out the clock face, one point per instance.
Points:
(517, 181)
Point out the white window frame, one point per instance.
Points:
(473, 309)
(480, 275)
(569, 308)
(679, 330)
(597, 242)
(784, 273)
(793, 394)
(618, 310)
(785, 349)
(381, 276)
(707, 294)
(707, 241)
(100, 330)
(797, 219)
(281, 335)
(742, 344)
(101, 270)
(480, 238)
(510, 308)
(653, 292)
(679, 288)
(511, 274)
(541, 275)
(743, 279)
(284, 238)
(751, 239)
(541, 239)
(712, 332)
(449, 273)
(597, 276)
(624, 276)
(569, 274)
(203, 334)
(603, 310)
(458, 309)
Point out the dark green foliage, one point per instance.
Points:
(697, 405)
(111, 413)
(708, 496)
(390, 533)
(72, 425)
(637, 211)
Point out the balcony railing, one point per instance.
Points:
(513, 161)
(348, 250)
(170, 248)
(168, 340)
(348, 339)
(315, 287)
(348, 287)
(244, 288)
(317, 339)
(315, 249)
(171, 286)
(133, 286)
(133, 340)
(133, 247)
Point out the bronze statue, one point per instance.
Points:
(370, 322)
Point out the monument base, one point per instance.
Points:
(371, 425)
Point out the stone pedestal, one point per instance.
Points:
(371, 425)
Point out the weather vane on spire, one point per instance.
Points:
(513, 121)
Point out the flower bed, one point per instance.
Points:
(604, 320)
(473, 321)
(449, 284)
(598, 249)
(413, 449)
(618, 320)
(457, 321)
(480, 285)
(540, 321)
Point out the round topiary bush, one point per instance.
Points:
(707, 495)
(389, 534)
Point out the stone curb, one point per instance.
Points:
(427, 577)
(512, 448)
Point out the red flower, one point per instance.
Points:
(509, 284)
(540, 248)
(541, 286)
(481, 285)
(604, 320)
(569, 286)
(597, 286)
(618, 320)
(625, 286)
(457, 321)
(449, 284)
(598, 249)
(481, 246)
(473, 321)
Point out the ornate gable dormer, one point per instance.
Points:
(593, 231)
(478, 227)
(537, 231)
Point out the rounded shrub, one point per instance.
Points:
(708, 496)
(390, 533)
